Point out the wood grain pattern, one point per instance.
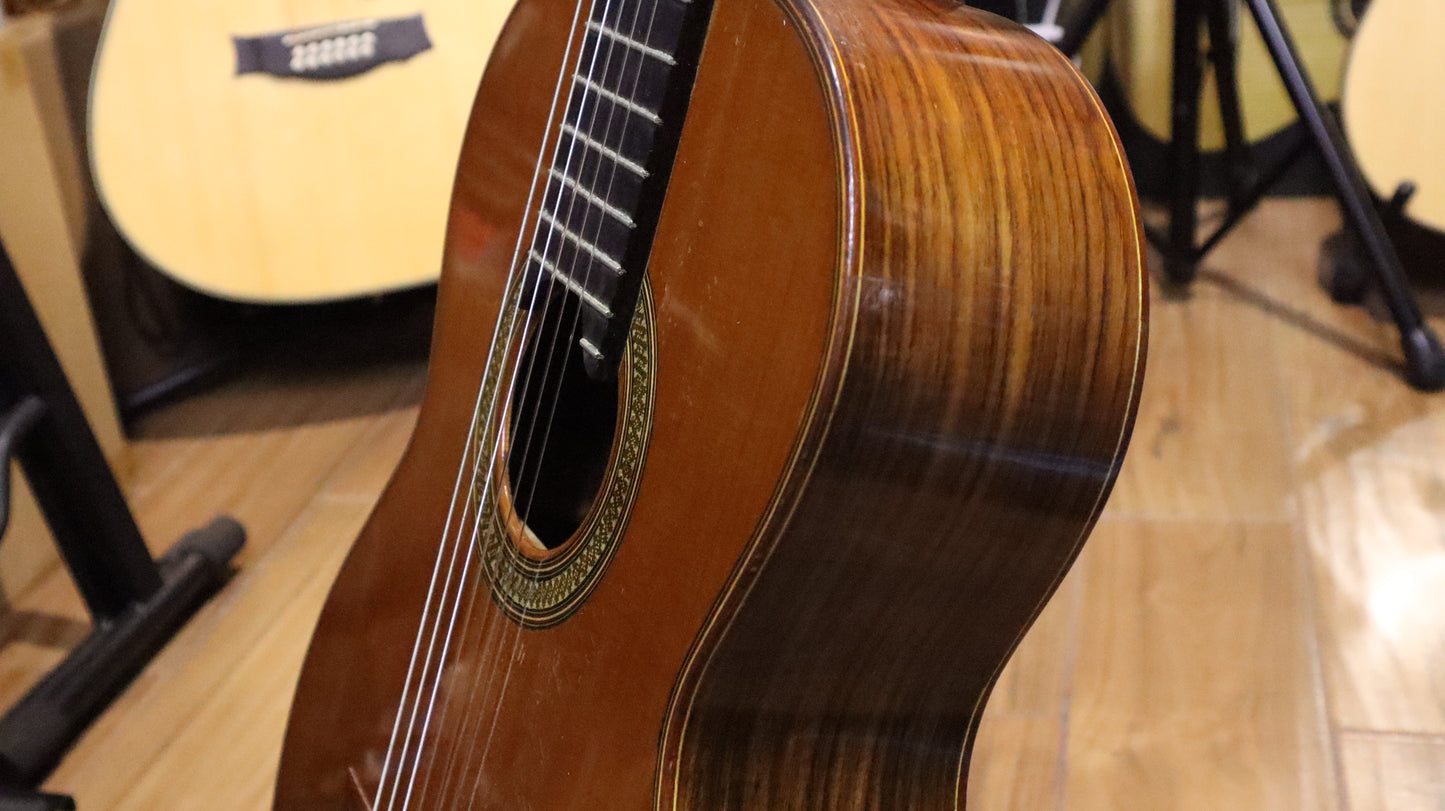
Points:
(323, 437)
(927, 432)
(1194, 682)
(905, 677)
(1204, 404)
(241, 720)
(1379, 562)
(274, 190)
(1395, 772)
(1016, 764)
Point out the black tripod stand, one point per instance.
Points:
(137, 602)
(1424, 358)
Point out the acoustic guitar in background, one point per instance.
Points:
(286, 151)
(1393, 104)
(786, 352)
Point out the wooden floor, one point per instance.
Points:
(1258, 623)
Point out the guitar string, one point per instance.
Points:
(472, 450)
(492, 467)
(593, 237)
(469, 449)
(572, 332)
(500, 415)
(470, 585)
(457, 490)
(613, 48)
(426, 606)
(455, 757)
(466, 731)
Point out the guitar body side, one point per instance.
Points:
(995, 360)
(899, 316)
(281, 190)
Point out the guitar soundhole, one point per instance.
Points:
(562, 427)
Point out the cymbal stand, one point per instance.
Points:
(1424, 357)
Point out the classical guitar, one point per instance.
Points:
(786, 352)
(284, 151)
(1391, 106)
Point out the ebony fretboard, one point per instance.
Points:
(626, 100)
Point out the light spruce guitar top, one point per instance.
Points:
(327, 177)
(1393, 106)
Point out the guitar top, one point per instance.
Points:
(284, 152)
(1392, 106)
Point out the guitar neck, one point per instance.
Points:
(626, 96)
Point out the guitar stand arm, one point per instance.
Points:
(136, 602)
(14, 425)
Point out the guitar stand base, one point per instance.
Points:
(1424, 359)
(38, 729)
(1344, 270)
(1424, 366)
(1345, 273)
(34, 801)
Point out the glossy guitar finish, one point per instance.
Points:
(898, 325)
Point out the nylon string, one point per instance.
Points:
(473, 585)
(467, 451)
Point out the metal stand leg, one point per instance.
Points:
(1180, 251)
(1424, 358)
(1182, 188)
(67, 471)
(137, 602)
(1223, 38)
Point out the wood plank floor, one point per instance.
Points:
(1258, 622)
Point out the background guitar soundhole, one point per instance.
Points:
(562, 427)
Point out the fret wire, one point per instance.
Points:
(587, 194)
(656, 53)
(591, 348)
(622, 101)
(567, 282)
(605, 150)
(601, 256)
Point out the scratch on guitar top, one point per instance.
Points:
(356, 784)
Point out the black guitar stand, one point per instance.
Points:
(16, 800)
(136, 602)
(1424, 358)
